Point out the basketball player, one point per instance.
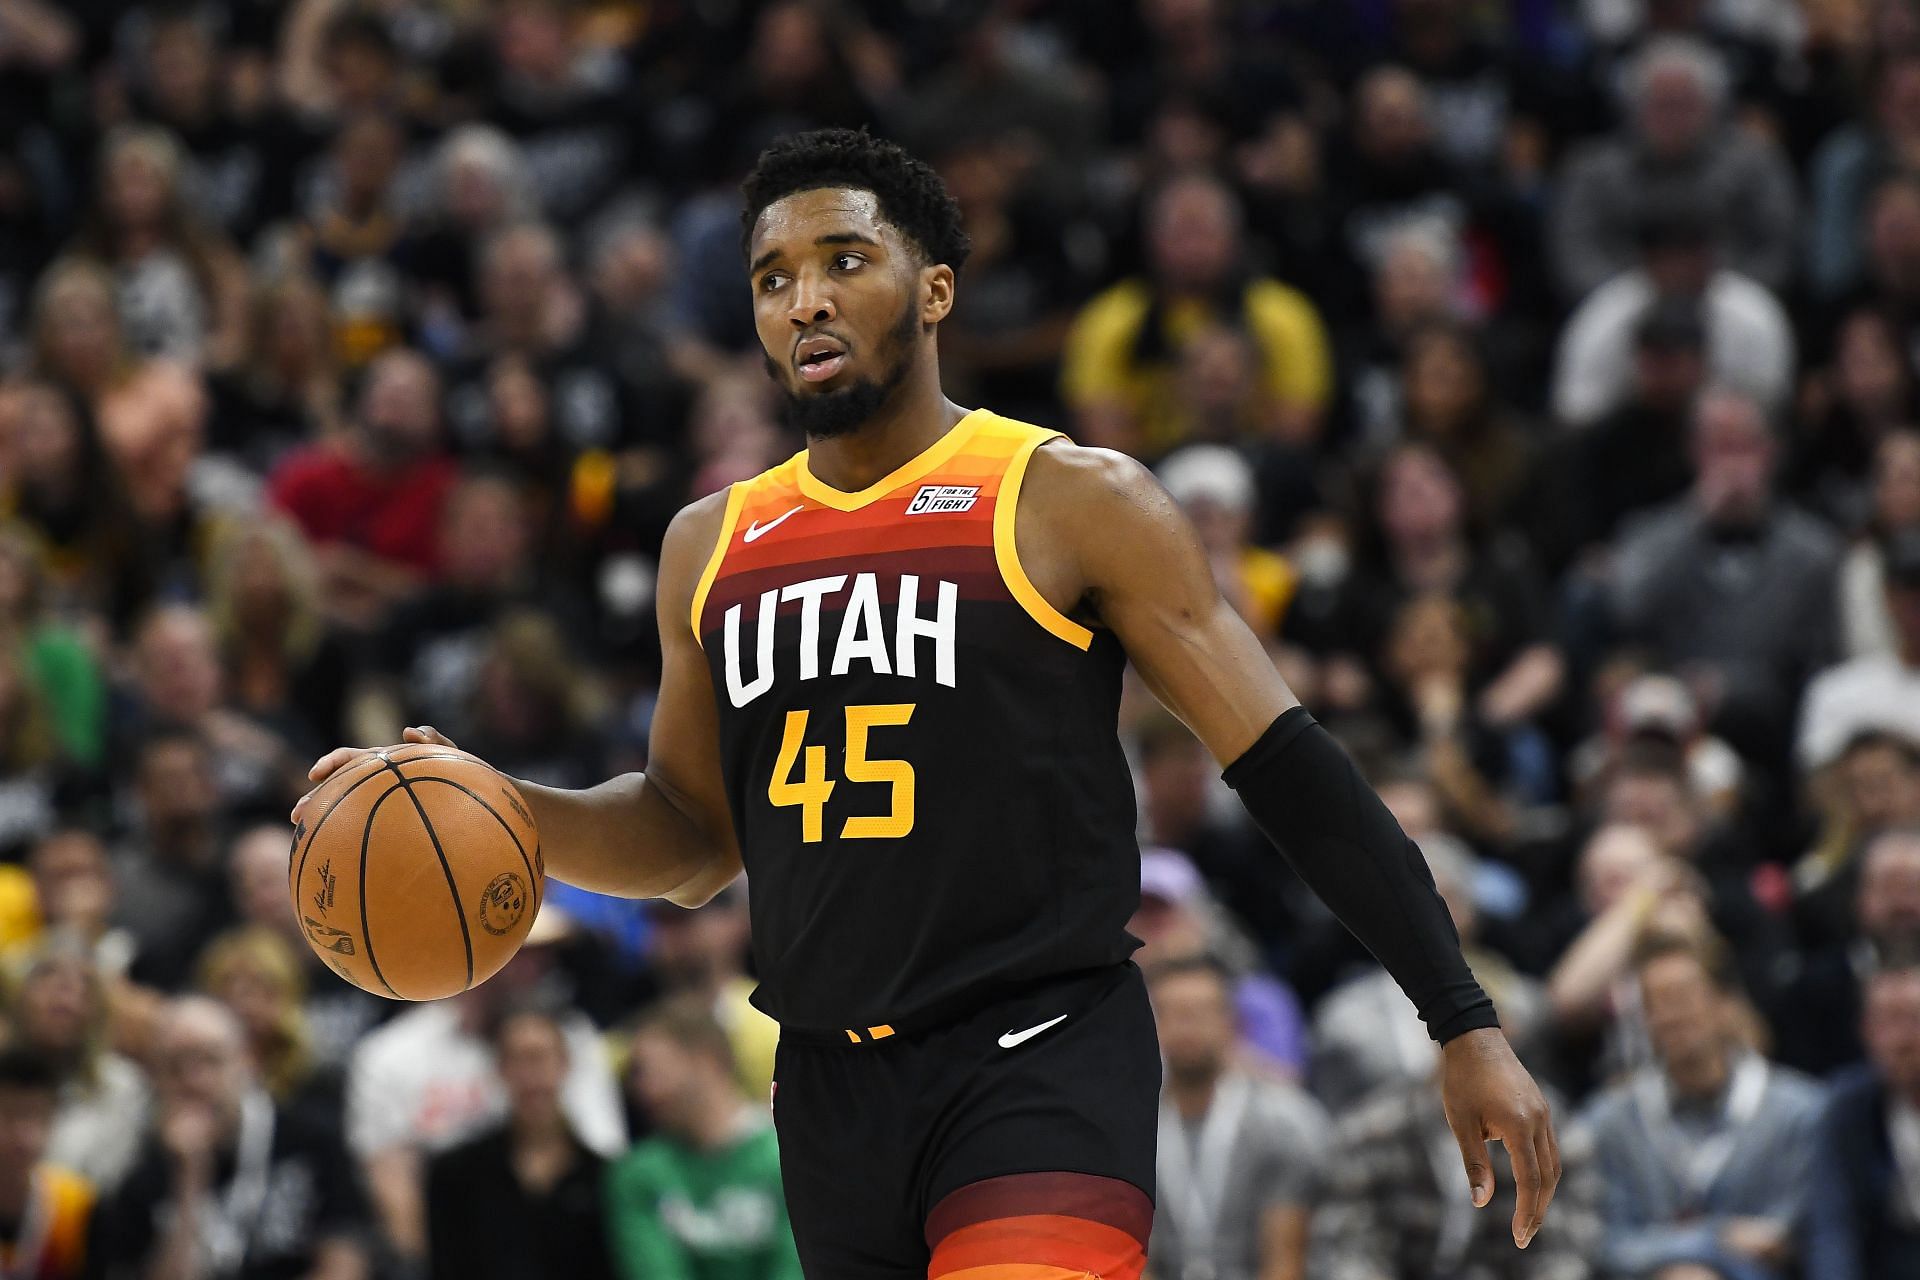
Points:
(891, 679)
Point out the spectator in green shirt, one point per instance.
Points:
(701, 1200)
(53, 657)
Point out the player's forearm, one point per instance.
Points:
(631, 837)
(1312, 802)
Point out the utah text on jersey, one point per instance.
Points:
(887, 646)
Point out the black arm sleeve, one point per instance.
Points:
(1312, 802)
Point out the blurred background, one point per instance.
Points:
(1540, 374)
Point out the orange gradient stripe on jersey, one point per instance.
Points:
(786, 519)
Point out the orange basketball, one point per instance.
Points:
(416, 872)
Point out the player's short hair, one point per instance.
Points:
(913, 199)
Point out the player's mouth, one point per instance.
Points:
(819, 358)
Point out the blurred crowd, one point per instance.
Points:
(1543, 379)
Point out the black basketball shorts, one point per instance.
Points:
(1062, 1078)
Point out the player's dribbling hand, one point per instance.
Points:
(340, 757)
(1490, 1097)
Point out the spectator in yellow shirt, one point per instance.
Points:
(1119, 369)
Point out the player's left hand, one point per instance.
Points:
(1490, 1097)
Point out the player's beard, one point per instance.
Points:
(825, 414)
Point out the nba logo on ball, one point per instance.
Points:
(504, 902)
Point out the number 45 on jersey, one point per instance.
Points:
(812, 788)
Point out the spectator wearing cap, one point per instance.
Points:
(1874, 690)
(1117, 370)
(1749, 340)
(1727, 585)
(1367, 1036)
(1659, 707)
(1240, 1155)
(1708, 1157)
(1869, 1192)
(1179, 919)
(1678, 143)
(1214, 485)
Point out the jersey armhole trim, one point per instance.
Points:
(736, 498)
(1006, 554)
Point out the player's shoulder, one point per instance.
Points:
(1089, 480)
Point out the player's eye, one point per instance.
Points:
(847, 261)
(771, 281)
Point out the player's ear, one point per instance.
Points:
(936, 293)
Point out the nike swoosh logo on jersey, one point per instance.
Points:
(755, 529)
(1014, 1039)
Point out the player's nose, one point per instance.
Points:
(811, 306)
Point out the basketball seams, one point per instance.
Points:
(301, 868)
(346, 784)
(366, 926)
(533, 878)
(453, 886)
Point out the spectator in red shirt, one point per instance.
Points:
(370, 499)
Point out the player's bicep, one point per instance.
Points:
(1150, 581)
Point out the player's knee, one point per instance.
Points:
(1042, 1226)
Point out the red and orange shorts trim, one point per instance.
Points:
(1041, 1226)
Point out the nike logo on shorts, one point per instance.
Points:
(755, 528)
(1014, 1039)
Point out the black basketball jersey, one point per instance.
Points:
(921, 753)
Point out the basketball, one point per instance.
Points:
(416, 872)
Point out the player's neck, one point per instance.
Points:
(902, 429)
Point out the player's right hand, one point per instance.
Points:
(340, 757)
